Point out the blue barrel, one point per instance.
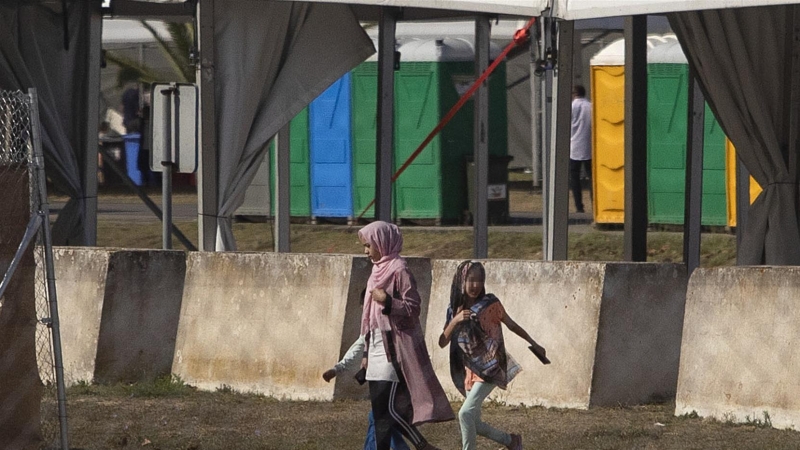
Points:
(330, 152)
(132, 144)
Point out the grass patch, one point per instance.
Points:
(603, 243)
(167, 386)
(112, 419)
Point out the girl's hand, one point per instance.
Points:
(379, 295)
(462, 316)
(329, 375)
(363, 363)
(538, 348)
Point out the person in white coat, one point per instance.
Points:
(580, 150)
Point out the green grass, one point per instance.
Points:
(170, 386)
(110, 418)
(442, 243)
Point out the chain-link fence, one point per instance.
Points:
(31, 373)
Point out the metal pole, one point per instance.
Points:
(480, 221)
(384, 160)
(558, 192)
(282, 186)
(545, 134)
(109, 160)
(742, 201)
(208, 177)
(30, 232)
(55, 323)
(89, 176)
(694, 176)
(635, 138)
(536, 110)
(166, 172)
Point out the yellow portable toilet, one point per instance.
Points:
(608, 129)
(730, 175)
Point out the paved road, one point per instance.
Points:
(134, 210)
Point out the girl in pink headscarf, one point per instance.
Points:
(402, 384)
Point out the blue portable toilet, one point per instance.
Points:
(132, 148)
(330, 145)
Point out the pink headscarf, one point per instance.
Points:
(386, 238)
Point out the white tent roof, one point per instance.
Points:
(118, 31)
(442, 50)
(614, 53)
(668, 53)
(565, 9)
(585, 9)
(527, 8)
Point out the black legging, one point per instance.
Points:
(391, 406)
(575, 180)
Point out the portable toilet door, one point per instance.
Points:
(330, 148)
(259, 196)
(299, 177)
(364, 122)
(667, 103)
(608, 133)
(432, 74)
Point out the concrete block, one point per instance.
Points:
(262, 322)
(118, 311)
(739, 356)
(80, 288)
(141, 307)
(612, 330)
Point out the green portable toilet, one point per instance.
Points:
(259, 197)
(299, 167)
(433, 74)
(667, 102)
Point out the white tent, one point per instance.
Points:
(748, 47)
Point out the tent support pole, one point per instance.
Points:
(207, 193)
(557, 214)
(384, 160)
(89, 182)
(694, 176)
(536, 109)
(546, 132)
(282, 169)
(742, 201)
(635, 138)
(480, 220)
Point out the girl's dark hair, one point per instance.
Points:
(457, 296)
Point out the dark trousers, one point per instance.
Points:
(391, 406)
(575, 180)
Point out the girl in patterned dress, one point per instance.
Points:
(478, 358)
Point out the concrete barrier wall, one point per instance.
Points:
(119, 312)
(141, 307)
(739, 345)
(612, 331)
(272, 323)
(262, 322)
(80, 285)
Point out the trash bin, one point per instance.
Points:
(132, 142)
(497, 186)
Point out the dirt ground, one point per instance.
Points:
(103, 418)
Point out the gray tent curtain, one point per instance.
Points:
(740, 57)
(272, 60)
(32, 55)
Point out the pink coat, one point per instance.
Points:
(427, 396)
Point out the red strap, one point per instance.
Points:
(520, 37)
